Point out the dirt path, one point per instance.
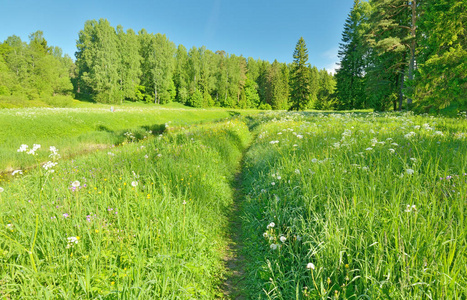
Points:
(234, 284)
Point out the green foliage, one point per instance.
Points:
(251, 93)
(97, 60)
(325, 98)
(33, 70)
(441, 75)
(196, 99)
(350, 82)
(393, 51)
(300, 77)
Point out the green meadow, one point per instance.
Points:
(331, 206)
(89, 127)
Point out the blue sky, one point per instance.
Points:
(253, 28)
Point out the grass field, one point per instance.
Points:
(144, 220)
(77, 130)
(348, 206)
(333, 206)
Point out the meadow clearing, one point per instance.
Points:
(85, 128)
(332, 206)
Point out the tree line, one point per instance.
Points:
(400, 54)
(34, 69)
(113, 65)
(116, 65)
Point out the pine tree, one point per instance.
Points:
(277, 88)
(392, 36)
(300, 86)
(350, 83)
(441, 78)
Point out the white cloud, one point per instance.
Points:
(331, 59)
(332, 68)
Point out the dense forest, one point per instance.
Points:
(394, 55)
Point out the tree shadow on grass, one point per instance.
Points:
(105, 135)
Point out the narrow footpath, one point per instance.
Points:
(234, 286)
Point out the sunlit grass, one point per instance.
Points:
(78, 130)
(144, 220)
(375, 202)
(336, 206)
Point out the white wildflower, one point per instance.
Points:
(283, 239)
(134, 183)
(297, 171)
(49, 165)
(72, 241)
(53, 149)
(17, 172)
(392, 150)
(274, 246)
(369, 149)
(75, 184)
(1, 189)
(271, 225)
(410, 171)
(300, 136)
(310, 266)
(314, 160)
(32, 151)
(23, 148)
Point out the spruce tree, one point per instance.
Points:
(300, 85)
(350, 88)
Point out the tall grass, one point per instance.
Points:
(357, 207)
(76, 130)
(146, 220)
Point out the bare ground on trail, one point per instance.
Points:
(234, 284)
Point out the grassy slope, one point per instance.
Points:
(150, 217)
(88, 127)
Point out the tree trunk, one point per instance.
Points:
(155, 93)
(400, 90)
